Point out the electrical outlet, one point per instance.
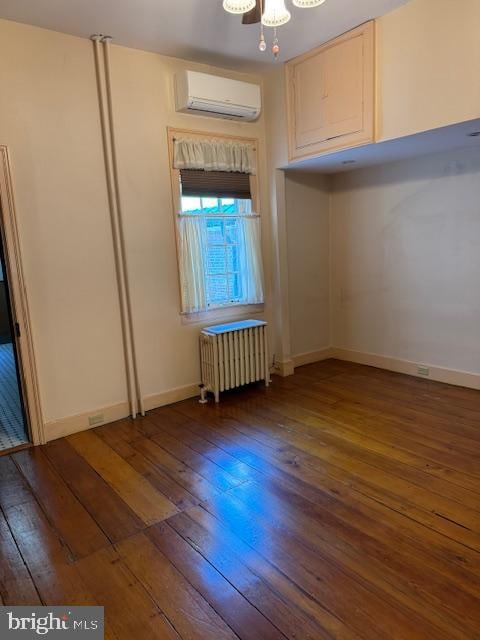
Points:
(94, 420)
(423, 371)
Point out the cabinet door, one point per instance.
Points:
(330, 95)
(343, 89)
(309, 96)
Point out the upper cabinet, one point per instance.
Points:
(330, 95)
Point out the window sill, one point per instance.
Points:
(232, 312)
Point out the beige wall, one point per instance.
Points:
(277, 151)
(428, 61)
(406, 260)
(308, 255)
(49, 120)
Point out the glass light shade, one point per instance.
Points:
(239, 6)
(275, 14)
(306, 4)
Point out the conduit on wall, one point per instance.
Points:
(116, 219)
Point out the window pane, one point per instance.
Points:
(223, 250)
(210, 203)
(215, 231)
(216, 259)
(233, 262)
(231, 231)
(217, 289)
(229, 206)
(233, 283)
(191, 205)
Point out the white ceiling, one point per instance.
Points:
(194, 29)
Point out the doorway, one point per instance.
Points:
(13, 420)
(21, 369)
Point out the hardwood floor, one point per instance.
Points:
(342, 502)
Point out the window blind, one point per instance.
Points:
(215, 184)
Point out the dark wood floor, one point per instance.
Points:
(342, 502)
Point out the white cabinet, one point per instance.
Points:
(330, 95)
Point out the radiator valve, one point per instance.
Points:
(203, 394)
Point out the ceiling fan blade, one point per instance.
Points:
(253, 16)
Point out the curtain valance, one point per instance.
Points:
(214, 155)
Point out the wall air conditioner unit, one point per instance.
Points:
(207, 95)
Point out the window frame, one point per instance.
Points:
(229, 309)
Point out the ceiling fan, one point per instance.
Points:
(269, 13)
(254, 15)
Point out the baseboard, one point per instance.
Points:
(439, 374)
(171, 396)
(81, 422)
(312, 356)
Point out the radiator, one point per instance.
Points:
(232, 355)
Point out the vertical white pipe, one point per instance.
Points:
(123, 254)
(115, 233)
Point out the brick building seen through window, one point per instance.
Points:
(223, 245)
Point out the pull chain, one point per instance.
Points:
(262, 45)
(276, 46)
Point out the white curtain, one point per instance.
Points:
(192, 234)
(214, 155)
(251, 260)
(192, 249)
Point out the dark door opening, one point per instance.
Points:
(13, 422)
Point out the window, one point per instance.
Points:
(223, 246)
(218, 229)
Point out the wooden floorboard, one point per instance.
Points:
(340, 503)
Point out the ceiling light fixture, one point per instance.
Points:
(239, 6)
(276, 13)
(306, 4)
(269, 13)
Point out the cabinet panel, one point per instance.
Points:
(309, 102)
(330, 95)
(344, 88)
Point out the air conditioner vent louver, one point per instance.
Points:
(215, 96)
